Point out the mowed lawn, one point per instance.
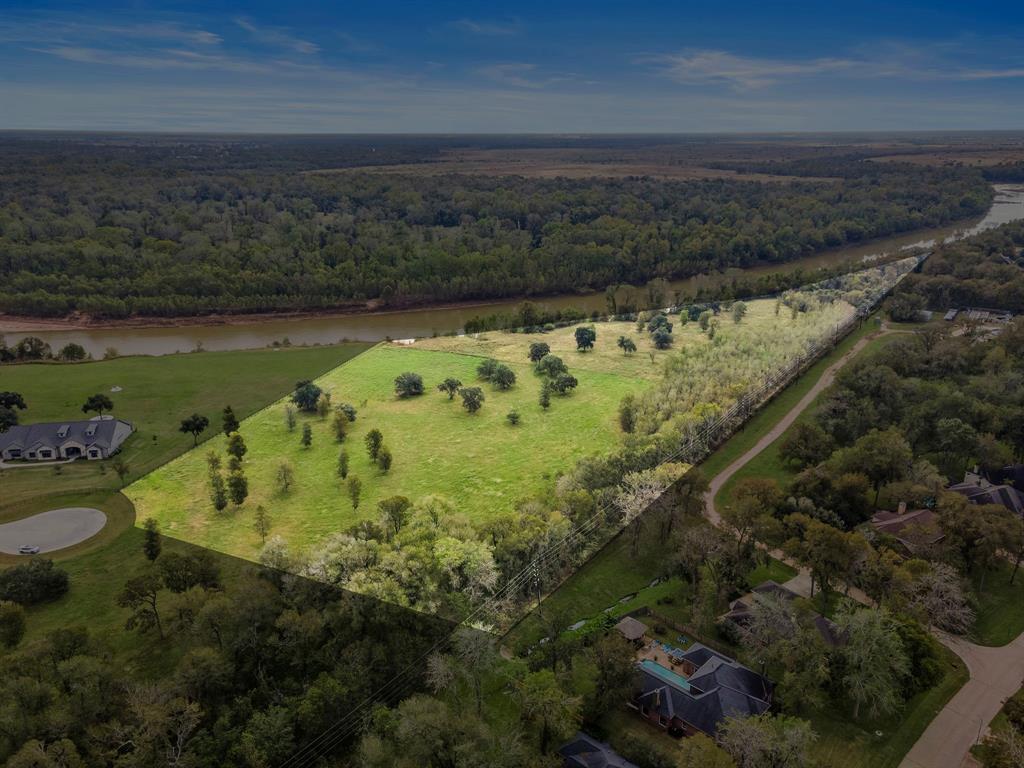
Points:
(479, 462)
(156, 394)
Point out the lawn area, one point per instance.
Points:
(845, 743)
(1000, 609)
(98, 570)
(156, 394)
(479, 462)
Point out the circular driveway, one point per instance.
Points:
(56, 529)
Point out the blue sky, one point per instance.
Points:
(504, 67)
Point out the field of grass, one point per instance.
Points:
(1000, 617)
(97, 571)
(479, 462)
(156, 394)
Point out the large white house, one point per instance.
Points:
(91, 439)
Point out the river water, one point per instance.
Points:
(162, 340)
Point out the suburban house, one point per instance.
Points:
(979, 490)
(741, 611)
(93, 439)
(914, 531)
(707, 688)
(587, 752)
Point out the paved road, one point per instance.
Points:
(56, 529)
(995, 673)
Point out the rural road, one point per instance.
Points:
(995, 673)
(776, 431)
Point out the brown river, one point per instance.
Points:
(260, 332)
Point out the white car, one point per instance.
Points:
(28, 549)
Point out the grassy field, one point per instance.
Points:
(156, 394)
(479, 462)
(1000, 607)
(98, 570)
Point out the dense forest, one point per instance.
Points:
(983, 271)
(183, 228)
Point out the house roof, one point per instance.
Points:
(979, 490)
(914, 529)
(631, 629)
(587, 752)
(105, 433)
(720, 688)
(741, 611)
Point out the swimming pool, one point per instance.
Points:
(665, 674)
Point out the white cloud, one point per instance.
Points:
(702, 67)
(488, 28)
(277, 37)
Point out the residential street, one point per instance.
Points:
(996, 673)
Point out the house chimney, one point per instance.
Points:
(902, 508)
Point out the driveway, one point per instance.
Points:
(56, 529)
(996, 674)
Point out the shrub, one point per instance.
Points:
(38, 581)
(408, 385)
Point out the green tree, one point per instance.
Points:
(739, 311)
(503, 378)
(343, 464)
(538, 349)
(512, 417)
(767, 741)
(545, 396)
(285, 476)
(626, 344)
(615, 664)
(151, 544)
(98, 403)
(289, 418)
(194, 425)
(564, 383)
(230, 423)
(236, 446)
(12, 400)
(140, 597)
(12, 623)
(355, 488)
(662, 339)
(306, 396)
(881, 455)
(700, 751)
(394, 513)
(874, 659)
(218, 492)
(408, 385)
(238, 487)
(585, 337)
(544, 702)
(341, 423)
(72, 353)
(307, 436)
(8, 418)
(384, 459)
(450, 387)
(374, 440)
(551, 366)
(704, 319)
(472, 398)
(261, 523)
(806, 444)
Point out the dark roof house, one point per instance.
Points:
(711, 688)
(97, 438)
(915, 530)
(979, 490)
(587, 752)
(741, 611)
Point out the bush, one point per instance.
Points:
(408, 385)
(36, 582)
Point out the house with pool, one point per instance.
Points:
(93, 439)
(692, 691)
